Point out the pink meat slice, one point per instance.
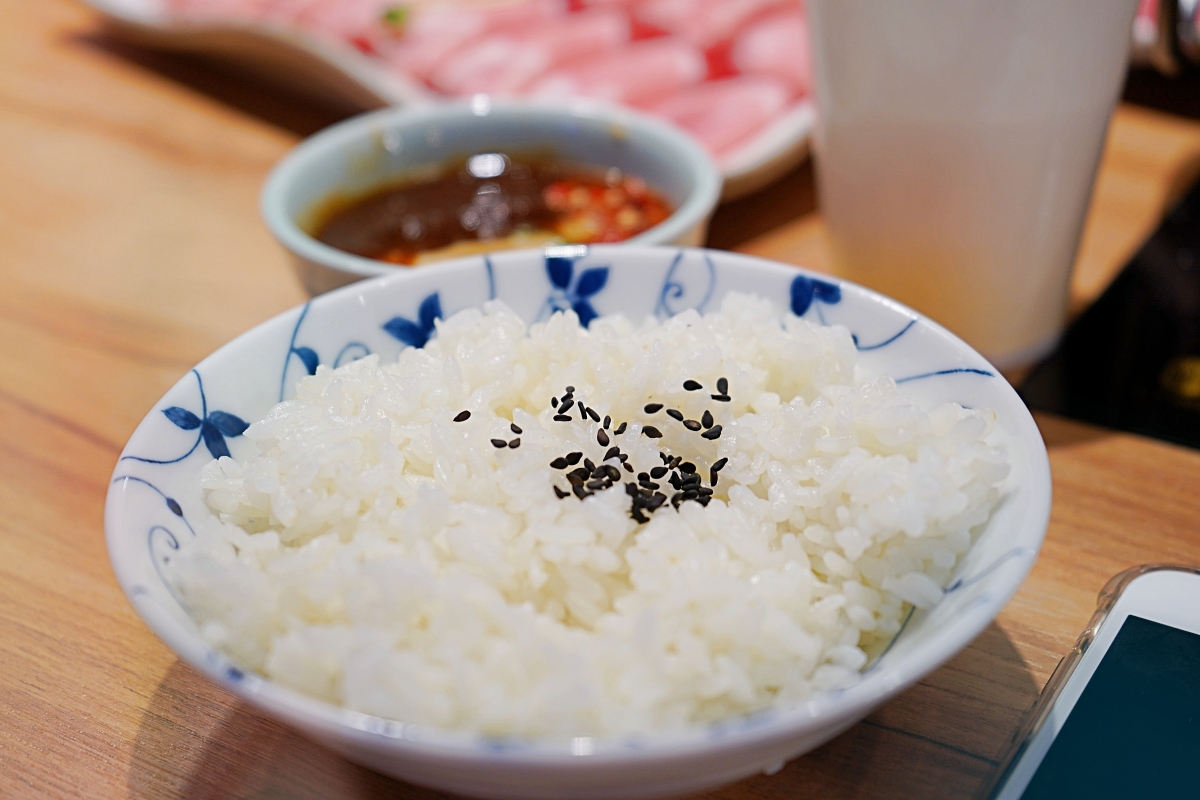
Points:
(705, 23)
(776, 45)
(344, 19)
(619, 4)
(723, 114)
(253, 10)
(437, 34)
(506, 63)
(642, 73)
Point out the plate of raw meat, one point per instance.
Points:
(733, 73)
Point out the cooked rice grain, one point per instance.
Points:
(378, 552)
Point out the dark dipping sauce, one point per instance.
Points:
(490, 201)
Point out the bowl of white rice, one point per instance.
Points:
(590, 522)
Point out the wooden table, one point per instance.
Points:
(130, 247)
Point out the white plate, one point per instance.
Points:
(341, 73)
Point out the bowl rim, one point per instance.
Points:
(280, 183)
(773, 725)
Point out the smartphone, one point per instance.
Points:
(1120, 716)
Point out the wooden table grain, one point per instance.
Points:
(131, 247)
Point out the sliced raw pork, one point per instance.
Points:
(643, 72)
(504, 64)
(721, 114)
(776, 45)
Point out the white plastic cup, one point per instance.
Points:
(956, 143)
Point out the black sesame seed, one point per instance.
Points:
(607, 422)
(628, 467)
(722, 386)
(575, 478)
(712, 433)
(591, 412)
(630, 490)
(712, 476)
(463, 416)
(691, 385)
(639, 516)
(652, 408)
(583, 411)
(573, 458)
(613, 452)
(651, 432)
(561, 494)
(674, 480)
(515, 429)
(690, 494)
(705, 491)
(676, 499)
(623, 458)
(612, 472)
(566, 406)
(675, 414)
(703, 500)
(721, 398)
(595, 485)
(515, 443)
(554, 402)
(666, 459)
(707, 419)
(602, 437)
(561, 418)
(498, 443)
(559, 463)
(687, 468)
(580, 492)
(720, 464)
(580, 473)
(643, 476)
(648, 485)
(658, 472)
(599, 471)
(620, 428)
(588, 465)
(675, 462)
(570, 390)
(656, 500)
(691, 424)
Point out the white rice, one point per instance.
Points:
(379, 555)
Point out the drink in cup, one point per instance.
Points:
(956, 145)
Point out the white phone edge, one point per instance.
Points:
(1165, 593)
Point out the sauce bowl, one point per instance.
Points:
(372, 150)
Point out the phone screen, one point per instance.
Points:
(1135, 730)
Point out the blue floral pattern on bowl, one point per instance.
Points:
(214, 427)
(569, 292)
(687, 285)
(415, 333)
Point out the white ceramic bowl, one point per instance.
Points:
(155, 500)
(366, 151)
